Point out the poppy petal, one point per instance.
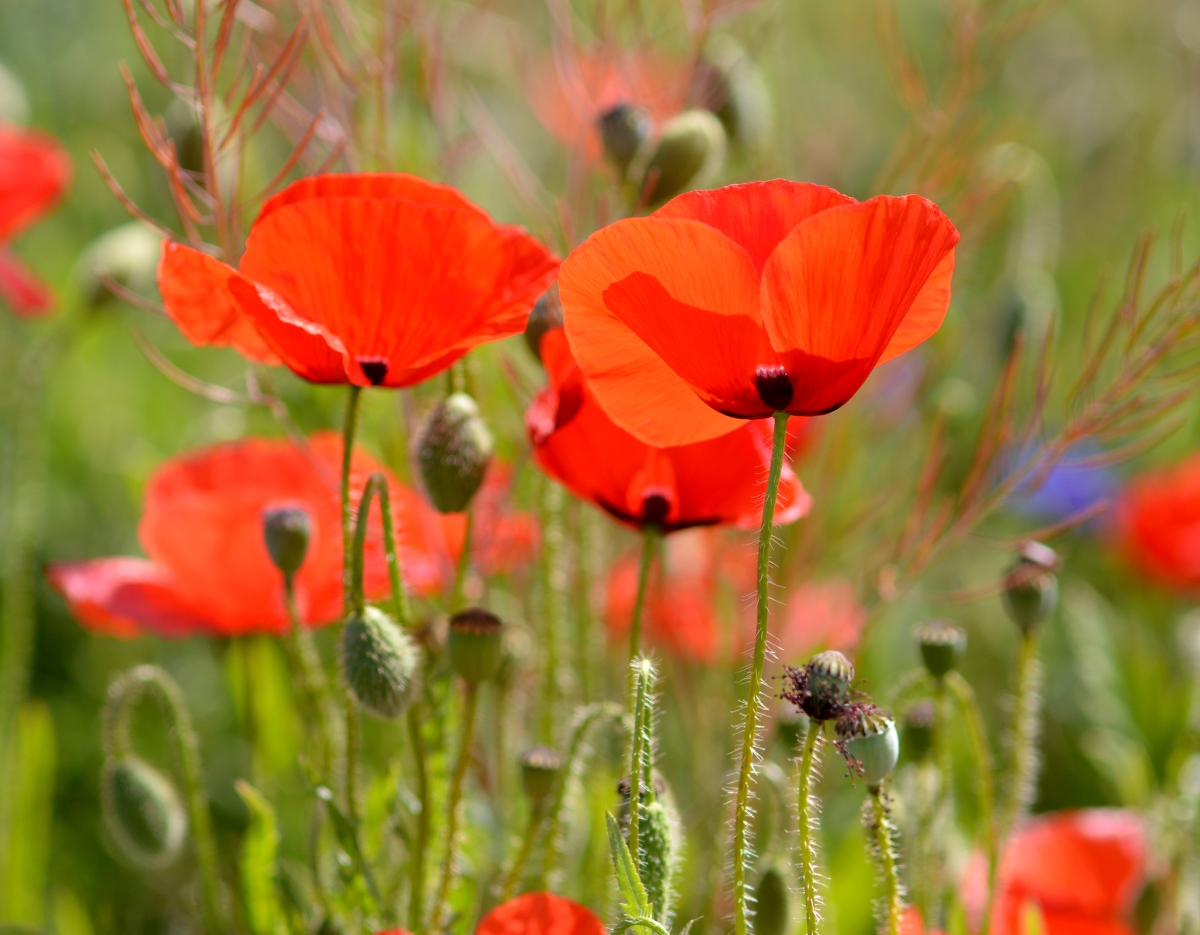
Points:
(837, 288)
(405, 284)
(21, 290)
(540, 914)
(927, 312)
(34, 172)
(756, 215)
(374, 185)
(196, 295)
(125, 597)
(650, 307)
(302, 346)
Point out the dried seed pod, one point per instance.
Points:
(475, 644)
(287, 530)
(1031, 586)
(453, 451)
(540, 767)
(942, 646)
(380, 663)
(144, 811)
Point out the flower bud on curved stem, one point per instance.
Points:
(144, 811)
(453, 450)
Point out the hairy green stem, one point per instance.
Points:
(463, 564)
(981, 755)
(416, 898)
(305, 663)
(741, 820)
(650, 537)
(807, 833)
(887, 859)
(1023, 733)
(349, 708)
(456, 788)
(643, 673)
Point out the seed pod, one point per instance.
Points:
(380, 663)
(688, 154)
(475, 644)
(918, 729)
(540, 767)
(623, 130)
(771, 903)
(657, 855)
(733, 87)
(144, 811)
(454, 450)
(829, 677)
(942, 647)
(546, 315)
(869, 737)
(127, 255)
(1031, 586)
(287, 530)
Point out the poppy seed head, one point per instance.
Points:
(774, 386)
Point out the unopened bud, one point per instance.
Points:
(869, 737)
(1031, 586)
(657, 854)
(540, 767)
(918, 729)
(623, 129)
(942, 647)
(144, 811)
(380, 663)
(287, 530)
(733, 87)
(689, 153)
(127, 255)
(771, 914)
(546, 315)
(475, 644)
(454, 450)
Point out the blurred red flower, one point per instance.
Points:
(746, 300)
(1157, 524)
(34, 172)
(540, 914)
(380, 280)
(572, 90)
(208, 569)
(818, 615)
(680, 612)
(721, 480)
(502, 539)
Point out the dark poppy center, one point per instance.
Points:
(375, 369)
(774, 386)
(655, 508)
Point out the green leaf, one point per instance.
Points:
(257, 864)
(633, 895)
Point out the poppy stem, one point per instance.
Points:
(741, 820)
(807, 833)
(649, 541)
(349, 709)
(643, 674)
(377, 485)
(416, 897)
(884, 844)
(982, 755)
(554, 610)
(456, 788)
(305, 662)
(464, 562)
(1023, 731)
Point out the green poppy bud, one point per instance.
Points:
(380, 663)
(771, 903)
(144, 811)
(546, 315)
(918, 729)
(868, 736)
(454, 450)
(475, 644)
(540, 767)
(127, 255)
(1031, 586)
(942, 647)
(287, 530)
(688, 154)
(657, 854)
(623, 130)
(733, 87)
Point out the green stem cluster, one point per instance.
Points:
(807, 831)
(1022, 774)
(456, 788)
(885, 845)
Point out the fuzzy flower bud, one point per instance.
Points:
(453, 450)
(475, 644)
(771, 903)
(287, 530)
(657, 854)
(380, 663)
(942, 646)
(540, 767)
(623, 129)
(144, 811)
(1031, 586)
(868, 737)
(689, 153)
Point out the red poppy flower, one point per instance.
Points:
(380, 280)
(540, 914)
(502, 539)
(751, 299)
(720, 480)
(570, 92)
(680, 612)
(208, 569)
(34, 172)
(1158, 524)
